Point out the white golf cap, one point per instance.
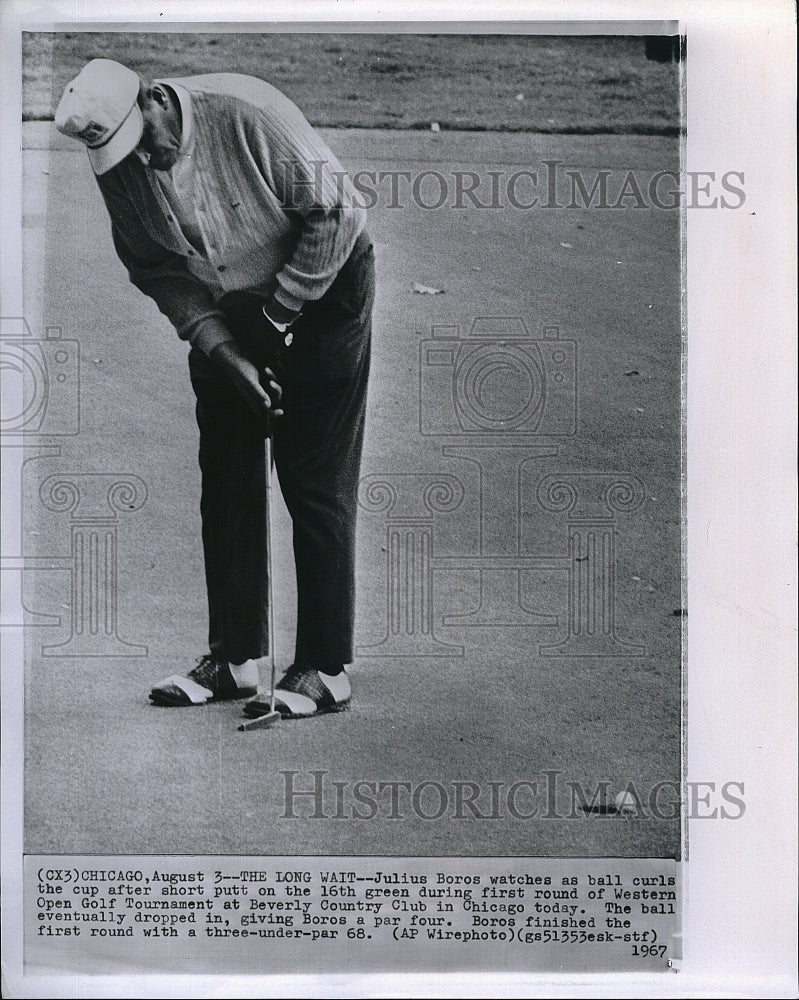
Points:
(100, 108)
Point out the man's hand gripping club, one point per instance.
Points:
(244, 375)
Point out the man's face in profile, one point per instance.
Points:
(159, 145)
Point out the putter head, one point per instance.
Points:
(265, 721)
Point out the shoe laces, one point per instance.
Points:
(206, 671)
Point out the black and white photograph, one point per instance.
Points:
(347, 412)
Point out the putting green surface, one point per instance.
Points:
(107, 772)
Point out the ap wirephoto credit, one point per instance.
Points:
(347, 430)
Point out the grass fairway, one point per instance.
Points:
(509, 83)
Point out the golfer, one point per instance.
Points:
(231, 213)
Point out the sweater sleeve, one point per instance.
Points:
(311, 184)
(162, 274)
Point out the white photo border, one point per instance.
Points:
(740, 918)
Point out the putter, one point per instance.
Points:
(272, 717)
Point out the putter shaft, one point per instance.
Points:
(271, 717)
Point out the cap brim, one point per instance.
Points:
(121, 144)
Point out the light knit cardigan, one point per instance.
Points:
(276, 212)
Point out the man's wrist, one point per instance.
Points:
(225, 351)
(280, 316)
(208, 333)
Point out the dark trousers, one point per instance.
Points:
(317, 449)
